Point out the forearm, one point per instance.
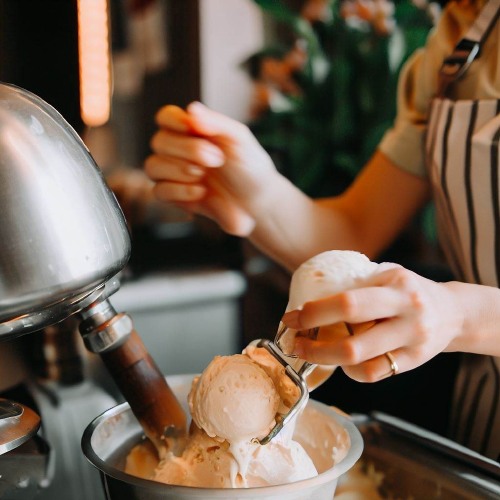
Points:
(291, 227)
(480, 306)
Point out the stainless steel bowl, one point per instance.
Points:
(109, 438)
(63, 233)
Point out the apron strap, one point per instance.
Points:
(469, 47)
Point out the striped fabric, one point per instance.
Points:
(462, 154)
(462, 150)
(476, 407)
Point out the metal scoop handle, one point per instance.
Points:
(297, 379)
(306, 368)
(298, 373)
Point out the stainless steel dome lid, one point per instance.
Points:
(62, 232)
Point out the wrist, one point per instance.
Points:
(459, 339)
(478, 308)
(276, 194)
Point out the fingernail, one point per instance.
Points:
(196, 107)
(213, 157)
(194, 170)
(292, 319)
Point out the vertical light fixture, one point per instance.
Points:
(94, 61)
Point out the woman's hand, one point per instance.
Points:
(415, 319)
(209, 164)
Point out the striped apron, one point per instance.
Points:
(462, 152)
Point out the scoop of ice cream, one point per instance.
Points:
(326, 274)
(204, 462)
(234, 399)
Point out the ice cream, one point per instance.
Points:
(234, 400)
(328, 273)
(233, 403)
(210, 463)
(362, 482)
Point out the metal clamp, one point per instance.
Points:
(102, 329)
(297, 379)
(464, 54)
(455, 66)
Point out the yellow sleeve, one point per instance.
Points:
(403, 144)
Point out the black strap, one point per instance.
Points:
(469, 47)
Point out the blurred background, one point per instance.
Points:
(314, 79)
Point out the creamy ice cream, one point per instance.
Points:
(234, 399)
(210, 463)
(328, 273)
(207, 462)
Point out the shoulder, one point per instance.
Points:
(455, 20)
(422, 69)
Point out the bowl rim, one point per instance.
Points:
(334, 472)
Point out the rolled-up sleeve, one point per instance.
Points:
(403, 144)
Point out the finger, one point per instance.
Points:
(172, 169)
(383, 336)
(353, 306)
(208, 122)
(369, 370)
(352, 349)
(381, 367)
(229, 216)
(193, 149)
(176, 192)
(236, 223)
(173, 118)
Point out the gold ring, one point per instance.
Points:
(392, 360)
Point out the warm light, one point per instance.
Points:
(93, 48)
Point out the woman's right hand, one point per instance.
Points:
(209, 164)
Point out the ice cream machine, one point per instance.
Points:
(63, 240)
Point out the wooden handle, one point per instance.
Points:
(145, 389)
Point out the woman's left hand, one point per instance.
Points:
(415, 319)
